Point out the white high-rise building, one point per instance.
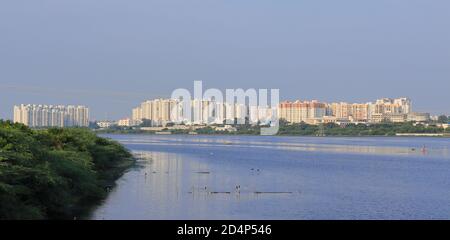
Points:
(218, 112)
(195, 111)
(259, 115)
(253, 114)
(51, 115)
(204, 112)
(241, 113)
(229, 112)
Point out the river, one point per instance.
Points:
(268, 177)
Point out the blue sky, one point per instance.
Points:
(111, 55)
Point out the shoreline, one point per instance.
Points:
(278, 135)
(329, 130)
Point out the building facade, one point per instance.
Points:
(206, 112)
(34, 115)
(298, 111)
(202, 112)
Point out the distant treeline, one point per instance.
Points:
(303, 129)
(380, 129)
(332, 129)
(55, 173)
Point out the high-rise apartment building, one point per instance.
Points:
(51, 115)
(360, 112)
(298, 111)
(202, 112)
(162, 111)
(357, 112)
(390, 110)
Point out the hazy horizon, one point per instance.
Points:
(110, 55)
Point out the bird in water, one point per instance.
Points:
(424, 149)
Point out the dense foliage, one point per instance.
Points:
(55, 173)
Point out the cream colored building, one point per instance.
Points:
(241, 113)
(137, 114)
(128, 122)
(390, 110)
(298, 111)
(205, 112)
(418, 117)
(360, 112)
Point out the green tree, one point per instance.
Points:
(55, 173)
(443, 119)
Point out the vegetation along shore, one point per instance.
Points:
(297, 129)
(56, 173)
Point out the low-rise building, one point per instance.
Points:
(396, 118)
(418, 117)
(105, 124)
(225, 128)
(127, 122)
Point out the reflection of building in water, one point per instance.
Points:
(162, 167)
(159, 180)
(169, 175)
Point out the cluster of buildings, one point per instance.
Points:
(199, 112)
(382, 110)
(162, 112)
(51, 115)
(204, 112)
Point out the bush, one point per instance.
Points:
(55, 173)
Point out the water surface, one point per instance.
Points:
(256, 177)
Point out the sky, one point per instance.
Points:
(110, 55)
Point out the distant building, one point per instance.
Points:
(158, 110)
(396, 118)
(137, 114)
(225, 128)
(357, 112)
(34, 115)
(418, 117)
(202, 112)
(105, 124)
(260, 115)
(206, 112)
(241, 113)
(298, 111)
(390, 110)
(127, 122)
(434, 118)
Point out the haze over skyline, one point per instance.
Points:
(110, 55)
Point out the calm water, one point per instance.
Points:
(195, 177)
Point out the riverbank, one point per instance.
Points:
(56, 173)
(301, 129)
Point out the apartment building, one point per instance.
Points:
(35, 115)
